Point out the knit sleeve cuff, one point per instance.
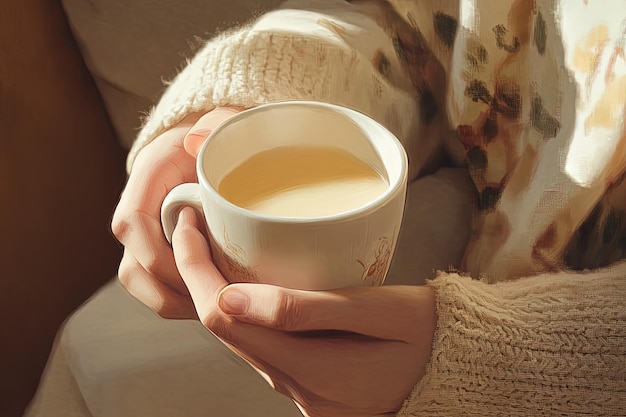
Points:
(253, 67)
(552, 344)
(245, 69)
(332, 55)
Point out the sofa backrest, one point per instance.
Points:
(132, 46)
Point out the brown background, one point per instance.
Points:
(60, 175)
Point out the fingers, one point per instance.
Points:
(193, 258)
(381, 312)
(148, 270)
(318, 371)
(159, 167)
(321, 369)
(157, 296)
(205, 125)
(143, 237)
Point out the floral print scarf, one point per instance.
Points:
(535, 93)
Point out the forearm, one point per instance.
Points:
(551, 344)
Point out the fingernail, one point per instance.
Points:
(234, 302)
(193, 140)
(200, 133)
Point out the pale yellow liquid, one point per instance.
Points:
(302, 182)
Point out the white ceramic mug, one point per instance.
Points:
(352, 248)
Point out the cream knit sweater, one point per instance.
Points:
(552, 344)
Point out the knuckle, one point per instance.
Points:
(119, 226)
(125, 271)
(219, 326)
(182, 231)
(194, 260)
(130, 276)
(290, 314)
(150, 258)
(153, 264)
(144, 155)
(187, 259)
(124, 223)
(162, 308)
(124, 277)
(190, 263)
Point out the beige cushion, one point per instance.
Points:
(132, 46)
(115, 358)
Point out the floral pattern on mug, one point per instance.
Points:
(231, 260)
(375, 269)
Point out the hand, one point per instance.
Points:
(350, 352)
(147, 269)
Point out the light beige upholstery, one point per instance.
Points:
(115, 358)
(132, 46)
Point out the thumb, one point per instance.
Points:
(383, 312)
(196, 136)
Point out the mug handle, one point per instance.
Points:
(179, 197)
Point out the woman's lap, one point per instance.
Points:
(116, 358)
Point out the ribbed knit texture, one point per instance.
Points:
(249, 68)
(547, 345)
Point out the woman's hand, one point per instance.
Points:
(350, 352)
(147, 269)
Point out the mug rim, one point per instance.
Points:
(381, 200)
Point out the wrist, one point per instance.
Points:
(546, 341)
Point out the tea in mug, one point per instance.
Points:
(302, 181)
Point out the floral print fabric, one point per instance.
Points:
(535, 94)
